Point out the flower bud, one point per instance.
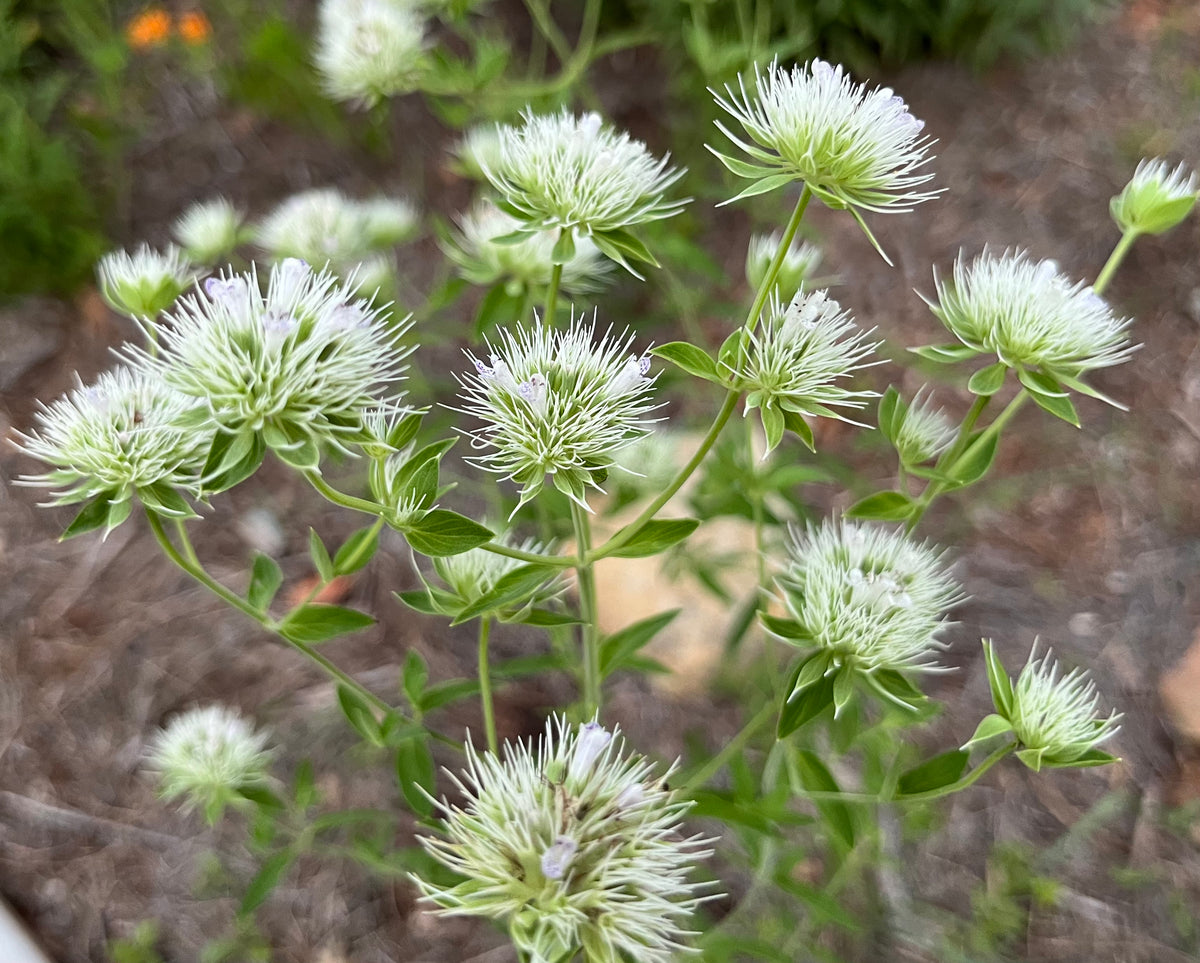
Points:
(1156, 199)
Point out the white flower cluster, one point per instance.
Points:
(575, 845)
(556, 403)
(854, 148)
(873, 597)
(1029, 315)
(797, 269)
(145, 283)
(210, 230)
(370, 50)
(1156, 198)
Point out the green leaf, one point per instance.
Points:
(1032, 758)
(616, 649)
(693, 360)
(816, 778)
(883, 507)
(821, 904)
(262, 797)
(862, 226)
(843, 689)
(740, 167)
(1041, 384)
(945, 353)
(430, 601)
(987, 381)
(989, 727)
(772, 422)
(414, 772)
(442, 532)
(892, 410)
(629, 245)
(730, 348)
(312, 623)
(720, 805)
(784, 628)
(998, 680)
(1059, 407)
(809, 672)
(761, 186)
(360, 714)
(545, 618)
(357, 550)
(1093, 757)
(265, 881)
(934, 773)
(514, 588)
(1085, 389)
(265, 579)
(320, 556)
(165, 500)
(894, 687)
(414, 676)
(498, 306)
(802, 707)
(93, 515)
(975, 461)
(795, 423)
(656, 536)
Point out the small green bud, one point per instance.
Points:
(1156, 199)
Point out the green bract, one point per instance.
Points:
(1155, 199)
(574, 844)
(854, 148)
(556, 403)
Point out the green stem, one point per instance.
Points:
(186, 560)
(768, 281)
(626, 534)
(485, 684)
(949, 458)
(374, 508)
(540, 14)
(732, 748)
(552, 293)
(588, 610)
(1114, 261)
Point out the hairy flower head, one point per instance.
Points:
(1053, 715)
(792, 365)
(370, 50)
(206, 755)
(559, 171)
(854, 148)
(289, 370)
(922, 432)
(798, 267)
(574, 843)
(557, 403)
(483, 260)
(1156, 198)
(144, 283)
(210, 230)
(871, 597)
(118, 438)
(1031, 316)
(469, 576)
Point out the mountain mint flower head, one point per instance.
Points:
(483, 260)
(559, 171)
(1156, 199)
(477, 151)
(210, 231)
(290, 369)
(206, 756)
(1030, 316)
(871, 598)
(792, 365)
(1053, 715)
(471, 575)
(557, 403)
(854, 148)
(114, 440)
(370, 50)
(923, 432)
(145, 283)
(798, 267)
(574, 843)
(325, 227)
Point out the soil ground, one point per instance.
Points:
(1089, 538)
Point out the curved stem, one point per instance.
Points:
(558, 561)
(627, 533)
(546, 26)
(1114, 261)
(768, 281)
(588, 609)
(728, 751)
(485, 684)
(948, 459)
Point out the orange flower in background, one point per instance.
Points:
(150, 28)
(194, 28)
